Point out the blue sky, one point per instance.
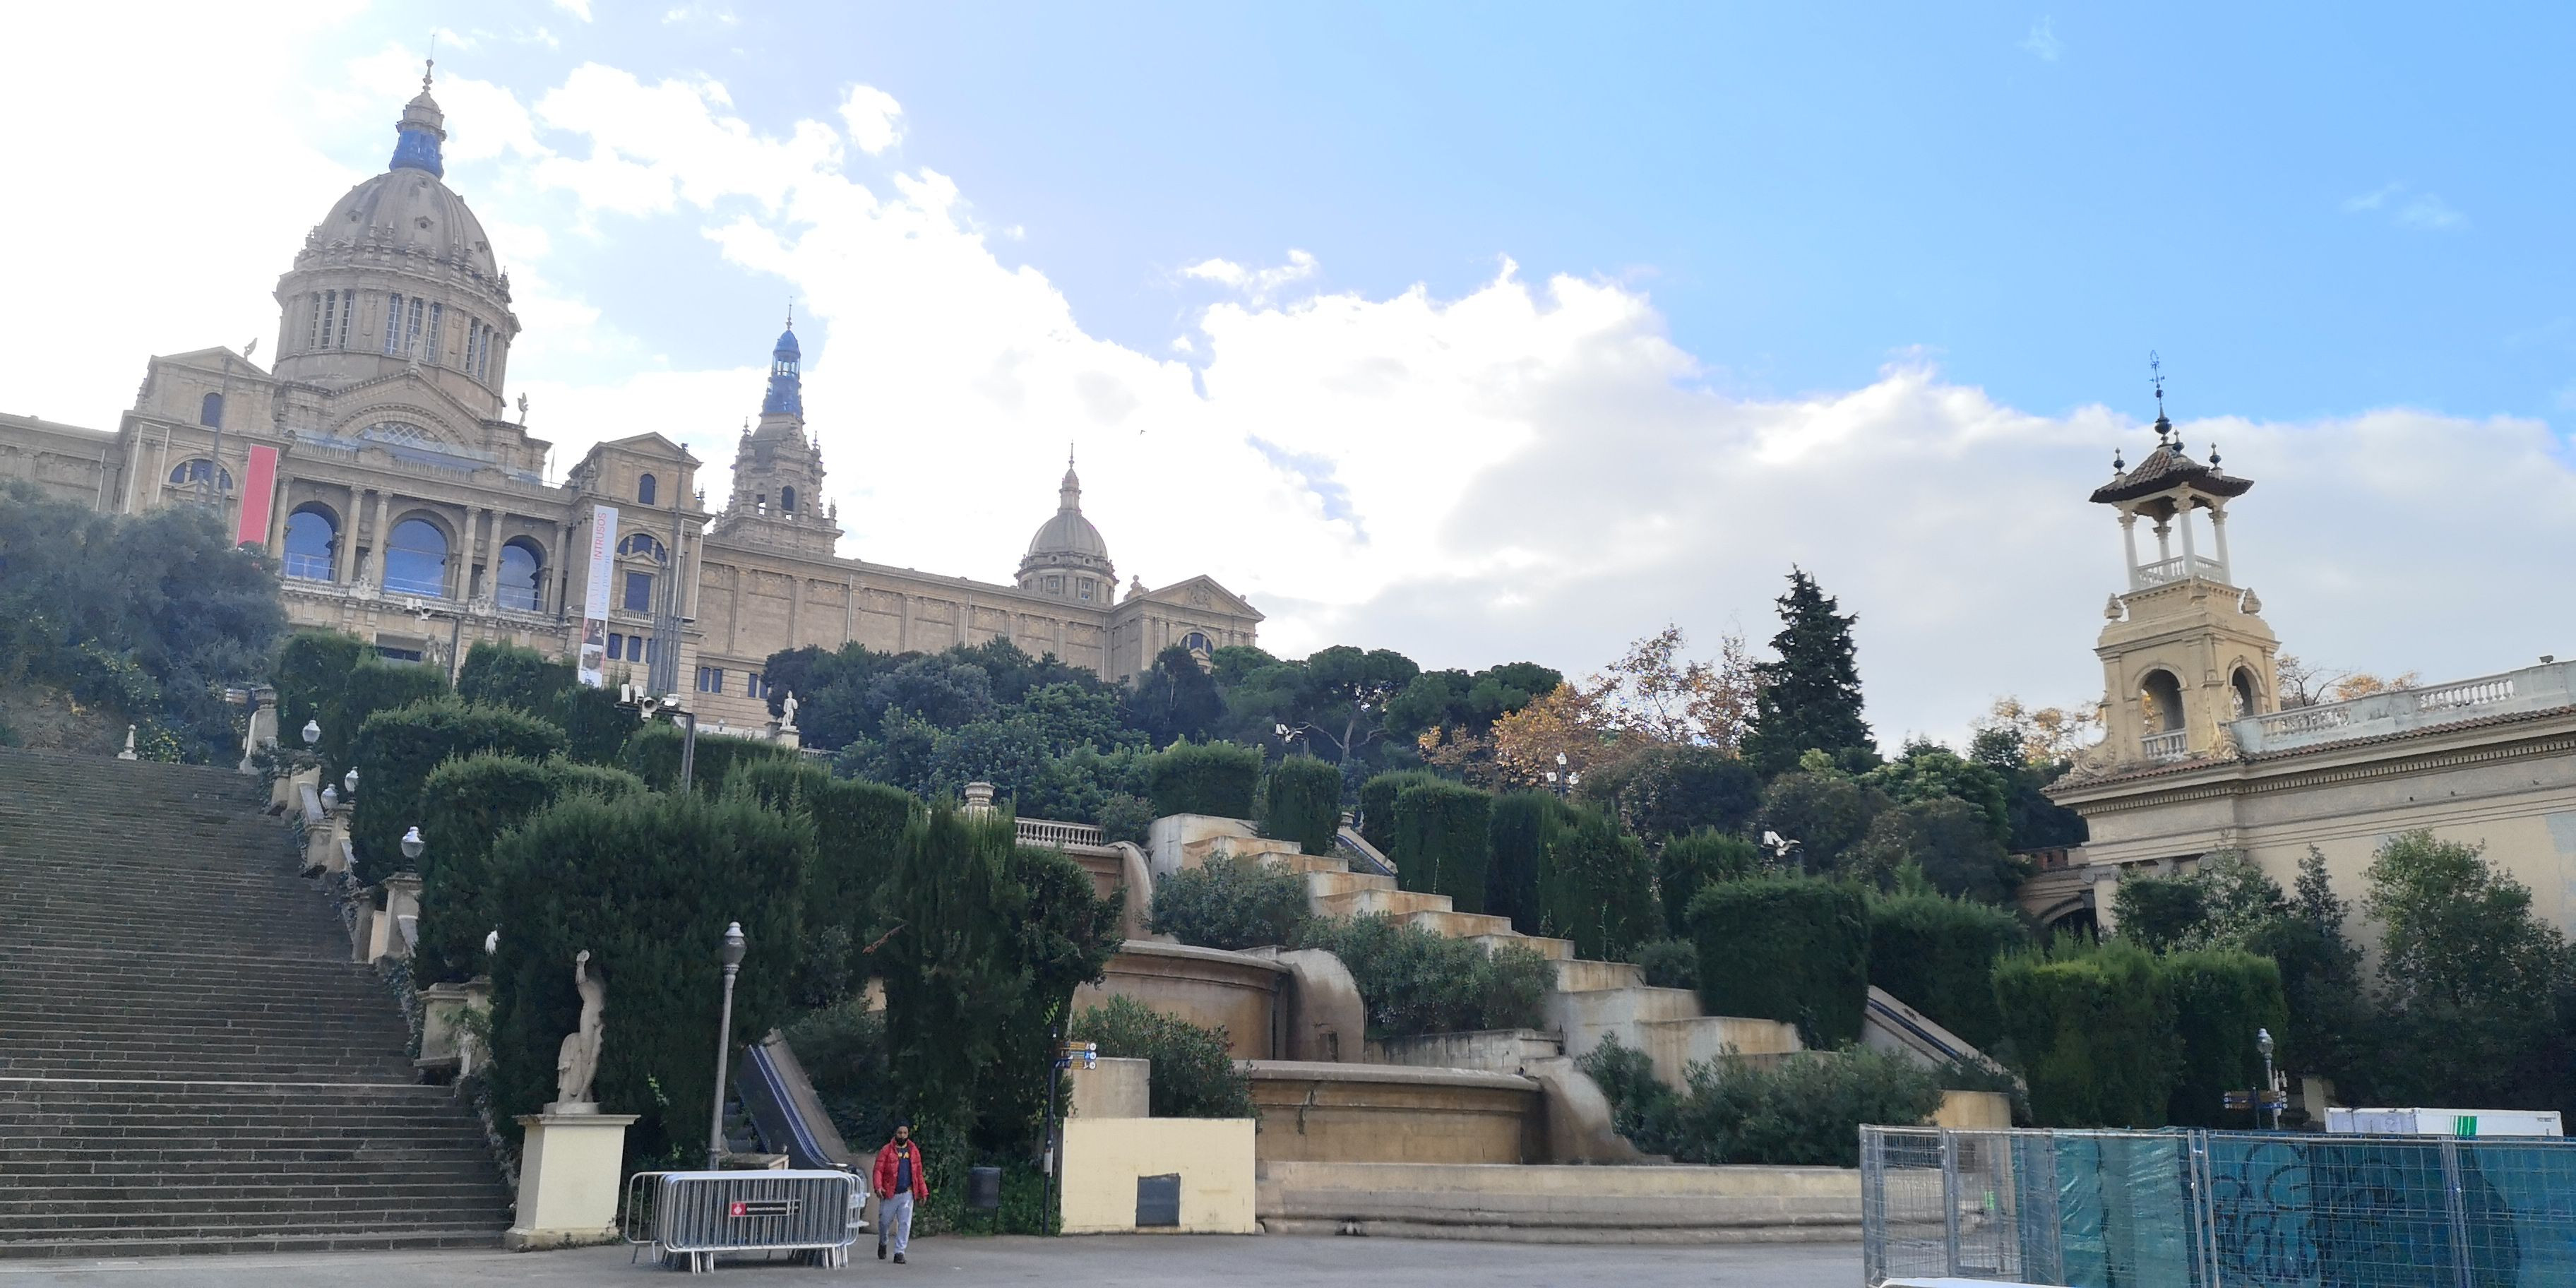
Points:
(1481, 332)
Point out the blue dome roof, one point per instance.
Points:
(787, 344)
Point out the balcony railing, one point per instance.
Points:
(2166, 746)
(2536, 688)
(2180, 567)
(1040, 831)
(309, 567)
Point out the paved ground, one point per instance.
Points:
(1149, 1262)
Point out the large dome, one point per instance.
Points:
(1068, 533)
(410, 212)
(1067, 543)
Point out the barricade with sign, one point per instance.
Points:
(691, 1218)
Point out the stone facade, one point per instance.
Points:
(2199, 757)
(378, 460)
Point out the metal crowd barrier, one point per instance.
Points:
(2203, 1209)
(688, 1219)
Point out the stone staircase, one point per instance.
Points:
(1591, 999)
(189, 1061)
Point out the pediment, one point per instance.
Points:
(1203, 594)
(219, 360)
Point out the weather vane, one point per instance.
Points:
(2156, 377)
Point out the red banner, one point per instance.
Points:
(258, 497)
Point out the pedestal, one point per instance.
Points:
(568, 1168)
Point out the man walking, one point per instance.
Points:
(900, 1178)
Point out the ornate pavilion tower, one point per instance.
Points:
(778, 468)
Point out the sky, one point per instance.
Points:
(1484, 333)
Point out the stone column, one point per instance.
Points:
(377, 542)
(2218, 538)
(277, 516)
(795, 608)
(344, 559)
(465, 557)
(2164, 540)
(2190, 557)
(2129, 543)
(561, 572)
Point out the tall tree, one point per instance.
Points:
(1174, 699)
(1347, 691)
(1810, 695)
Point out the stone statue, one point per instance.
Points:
(788, 706)
(577, 1061)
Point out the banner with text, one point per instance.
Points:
(259, 488)
(592, 647)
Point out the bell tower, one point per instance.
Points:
(2185, 651)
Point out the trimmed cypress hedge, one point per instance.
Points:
(857, 826)
(1377, 805)
(510, 676)
(1695, 860)
(1214, 778)
(1525, 825)
(1305, 804)
(1441, 841)
(597, 726)
(1596, 887)
(372, 685)
(653, 754)
(397, 749)
(1785, 948)
(465, 806)
(2092, 1026)
(2221, 998)
(312, 673)
(1938, 956)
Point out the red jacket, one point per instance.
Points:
(883, 1182)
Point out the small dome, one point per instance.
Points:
(410, 210)
(787, 345)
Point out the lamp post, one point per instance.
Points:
(312, 732)
(644, 703)
(349, 785)
(2263, 1043)
(724, 1046)
(412, 845)
(1564, 780)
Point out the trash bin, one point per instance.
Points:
(984, 1189)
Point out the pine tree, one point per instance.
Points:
(1810, 698)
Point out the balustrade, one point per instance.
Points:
(2166, 746)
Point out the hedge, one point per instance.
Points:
(1596, 888)
(1230, 902)
(371, 686)
(1785, 948)
(2092, 1030)
(1938, 956)
(1412, 980)
(1215, 778)
(1305, 804)
(1377, 805)
(2221, 997)
(1524, 825)
(856, 827)
(1441, 845)
(508, 675)
(397, 749)
(653, 754)
(1696, 860)
(465, 806)
(312, 672)
(645, 884)
(597, 725)
(1804, 1111)
(1192, 1076)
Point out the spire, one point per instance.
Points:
(786, 380)
(1069, 496)
(2156, 376)
(420, 131)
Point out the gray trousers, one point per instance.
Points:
(894, 1220)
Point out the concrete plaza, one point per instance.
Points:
(1145, 1262)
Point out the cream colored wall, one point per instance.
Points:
(1208, 987)
(1362, 1113)
(1104, 1157)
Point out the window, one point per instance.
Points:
(1087, 585)
(616, 647)
(348, 309)
(1195, 642)
(312, 540)
(639, 593)
(313, 328)
(754, 686)
(397, 653)
(198, 471)
(1055, 583)
(522, 573)
(652, 648)
(644, 490)
(416, 559)
(643, 546)
(210, 411)
(437, 330)
(711, 679)
(393, 322)
(473, 345)
(787, 500)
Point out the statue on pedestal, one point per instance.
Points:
(787, 706)
(577, 1061)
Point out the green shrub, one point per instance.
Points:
(597, 725)
(1597, 889)
(371, 686)
(1804, 1110)
(1230, 902)
(1785, 948)
(2092, 1029)
(1414, 981)
(1125, 816)
(311, 674)
(1668, 963)
(1377, 805)
(465, 806)
(1305, 803)
(2222, 998)
(397, 749)
(1441, 841)
(507, 675)
(1695, 860)
(856, 828)
(653, 754)
(646, 884)
(1216, 778)
(1938, 956)
(1524, 825)
(1193, 1077)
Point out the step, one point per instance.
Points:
(1578, 976)
(1325, 884)
(1450, 924)
(1303, 863)
(1391, 902)
(1555, 950)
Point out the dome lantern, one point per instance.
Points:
(417, 135)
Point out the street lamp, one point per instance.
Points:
(349, 785)
(644, 704)
(412, 845)
(312, 732)
(2263, 1043)
(1562, 778)
(724, 1046)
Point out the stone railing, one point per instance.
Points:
(2166, 746)
(2180, 567)
(1040, 831)
(2545, 687)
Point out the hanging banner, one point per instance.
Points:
(258, 496)
(592, 647)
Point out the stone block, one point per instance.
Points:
(1115, 1088)
(1212, 1157)
(568, 1180)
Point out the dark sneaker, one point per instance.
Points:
(898, 1258)
(880, 1249)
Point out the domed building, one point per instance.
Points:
(380, 460)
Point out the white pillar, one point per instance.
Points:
(2218, 537)
(2129, 544)
(465, 556)
(2190, 559)
(2164, 540)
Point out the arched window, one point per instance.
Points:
(644, 490)
(2243, 695)
(416, 559)
(210, 411)
(1195, 642)
(312, 543)
(521, 573)
(787, 500)
(198, 471)
(2160, 699)
(643, 546)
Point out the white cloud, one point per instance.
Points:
(1257, 284)
(2423, 211)
(2042, 42)
(577, 8)
(874, 119)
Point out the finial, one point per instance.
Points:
(2118, 466)
(428, 66)
(1068, 453)
(791, 312)
(2213, 454)
(2156, 377)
